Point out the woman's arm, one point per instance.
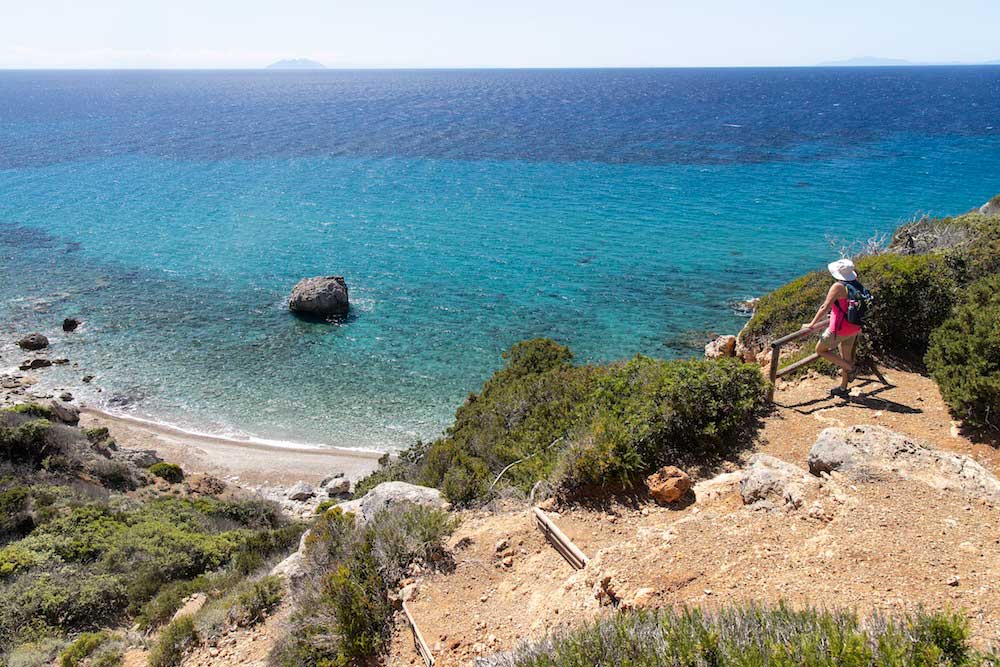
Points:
(835, 293)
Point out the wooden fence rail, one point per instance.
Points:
(776, 346)
(559, 541)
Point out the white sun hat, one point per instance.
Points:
(842, 269)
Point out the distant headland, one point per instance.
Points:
(296, 63)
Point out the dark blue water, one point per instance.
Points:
(618, 211)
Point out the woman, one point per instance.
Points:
(841, 334)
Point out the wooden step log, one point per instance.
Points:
(418, 638)
(573, 555)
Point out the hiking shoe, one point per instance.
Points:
(840, 391)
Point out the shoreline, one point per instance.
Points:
(248, 462)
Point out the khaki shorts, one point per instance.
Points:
(830, 340)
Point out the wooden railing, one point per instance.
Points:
(776, 346)
(418, 638)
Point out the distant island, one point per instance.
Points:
(871, 61)
(296, 63)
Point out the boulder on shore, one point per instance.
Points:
(65, 413)
(723, 346)
(32, 342)
(668, 484)
(301, 491)
(322, 296)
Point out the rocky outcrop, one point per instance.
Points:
(770, 483)
(140, 458)
(723, 346)
(34, 364)
(862, 452)
(382, 497)
(991, 209)
(322, 296)
(301, 491)
(668, 484)
(67, 414)
(387, 494)
(33, 342)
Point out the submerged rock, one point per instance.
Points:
(322, 296)
(35, 341)
(33, 364)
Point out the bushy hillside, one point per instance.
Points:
(543, 418)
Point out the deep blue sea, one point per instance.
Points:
(617, 211)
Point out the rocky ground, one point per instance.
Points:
(906, 529)
(878, 538)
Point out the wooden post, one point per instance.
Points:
(558, 539)
(418, 639)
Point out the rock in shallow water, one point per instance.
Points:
(70, 324)
(322, 296)
(35, 341)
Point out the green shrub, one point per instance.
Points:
(913, 296)
(786, 309)
(531, 403)
(97, 434)
(42, 651)
(758, 637)
(964, 355)
(94, 649)
(345, 617)
(589, 425)
(257, 600)
(170, 472)
(173, 641)
(115, 475)
(26, 443)
(33, 410)
(92, 565)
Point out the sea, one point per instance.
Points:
(618, 211)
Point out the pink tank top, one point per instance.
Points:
(839, 326)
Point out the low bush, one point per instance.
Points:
(174, 640)
(43, 651)
(170, 472)
(647, 413)
(255, 601)
(964, 355)
(94, 649)
(758, 637)
(541, 417)
(93, 565)
(345, 617)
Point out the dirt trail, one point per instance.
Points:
(888, 544)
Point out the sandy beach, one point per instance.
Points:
(248, 462)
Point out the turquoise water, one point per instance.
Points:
(180, 265)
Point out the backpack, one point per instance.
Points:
(859, 300)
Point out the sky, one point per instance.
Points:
(507, 33)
